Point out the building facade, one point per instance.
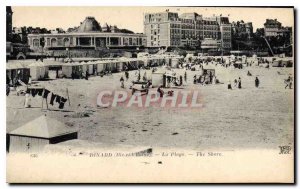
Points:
(241, 28)
(88, 35)
(272, 28)
(168, 29)
(225, 32)
(162, 29)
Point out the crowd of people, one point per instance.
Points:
(237, 84)
(205, 78)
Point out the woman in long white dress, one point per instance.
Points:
(27, 103)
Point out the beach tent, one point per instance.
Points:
(38, 70)
(169, 75)
(17, 69)
(84, 67)
(119, 66)
(174, 62)
(113, 66)
(158, 78)
(90, 67)
(68, 68)
(244, 59)
(232, 58)
(100, 67)
(36, 134)
(277, 63)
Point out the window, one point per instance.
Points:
(53, 42)
(36, 42)
(66, 42)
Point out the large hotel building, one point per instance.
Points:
(168, 29)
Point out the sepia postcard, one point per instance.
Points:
(150, 94)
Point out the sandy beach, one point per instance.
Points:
(246, 118)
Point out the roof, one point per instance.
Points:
(87, 34)
(15, 66)
(37, 64)
(43, 127)
(90, 24)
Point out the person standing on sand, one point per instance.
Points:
(239, 83)
(160, 91)
(29, 80)
(122, 82)
(87, 75)
(127, 75)
(180, 80)
(27, 103)
(291, 83)
(256, 82)
(210, 77)
(288, 82)
(73, 75)
(235, 82)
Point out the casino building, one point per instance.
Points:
(89, 35)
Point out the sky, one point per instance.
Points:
(131, 18)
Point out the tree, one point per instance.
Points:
(126, 31)
(260, 32)
(16, 38)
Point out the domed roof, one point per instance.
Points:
(90, 24)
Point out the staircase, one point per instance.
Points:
(269, 45)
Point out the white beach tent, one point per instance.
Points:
(38, 70)
(34, 135)
(158, 78)
(90, 67)
(67, 68)
(100, 66)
